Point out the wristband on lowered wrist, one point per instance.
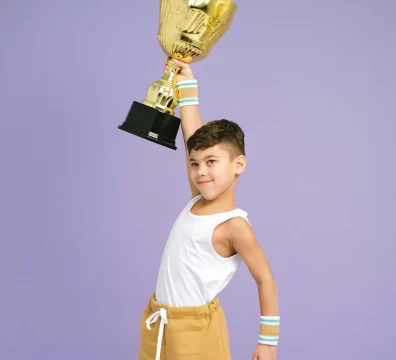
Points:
(188, 92)
(269, 330)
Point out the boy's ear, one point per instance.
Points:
(240, 164)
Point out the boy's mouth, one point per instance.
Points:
(204, 182)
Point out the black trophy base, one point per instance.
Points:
(151, 124)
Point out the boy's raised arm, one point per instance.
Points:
(189, 111)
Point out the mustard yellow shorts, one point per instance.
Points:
(184, 333)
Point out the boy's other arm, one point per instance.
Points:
(244, 242)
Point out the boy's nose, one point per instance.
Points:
(202, 170)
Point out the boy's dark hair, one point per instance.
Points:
(219, 132)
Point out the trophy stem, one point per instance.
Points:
(162, 94)
(174, 70)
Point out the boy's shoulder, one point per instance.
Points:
(241, 237)
(238, 224)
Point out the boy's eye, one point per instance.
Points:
(193, 164)
(211, 161)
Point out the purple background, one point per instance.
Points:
(86, 208)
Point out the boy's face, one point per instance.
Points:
(213, 171)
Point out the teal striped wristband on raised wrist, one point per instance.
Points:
(188, 92)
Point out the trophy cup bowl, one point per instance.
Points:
(188, 30)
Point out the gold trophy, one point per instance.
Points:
(188, 30)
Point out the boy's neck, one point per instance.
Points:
(225, 202)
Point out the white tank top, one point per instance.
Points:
(191, 272)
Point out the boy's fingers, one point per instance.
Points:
(179, 63)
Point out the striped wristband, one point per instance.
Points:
(188, 92)
(269, 330)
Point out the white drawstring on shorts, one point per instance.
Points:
(164, 320)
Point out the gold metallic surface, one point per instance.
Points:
(188, 31)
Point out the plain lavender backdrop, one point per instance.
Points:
(86, 208)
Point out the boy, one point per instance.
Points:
(184, 319)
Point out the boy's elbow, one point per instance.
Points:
(265, 279)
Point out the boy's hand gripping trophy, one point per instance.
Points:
(188, 30)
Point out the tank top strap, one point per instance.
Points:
(190, 203)
(220, 218)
